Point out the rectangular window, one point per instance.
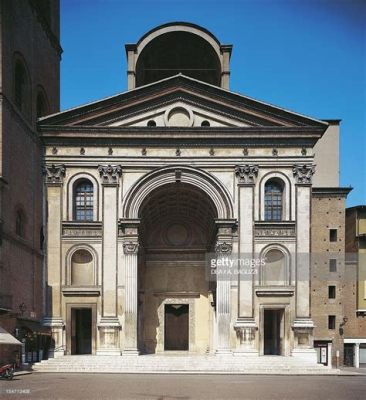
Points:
(333, 265)
(331, 321)
(332, 235)
(331, 292)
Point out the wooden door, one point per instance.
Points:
(176, 327)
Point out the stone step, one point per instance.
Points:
(182, 364)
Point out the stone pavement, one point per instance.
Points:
(182, 387)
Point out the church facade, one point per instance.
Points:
(179, 213)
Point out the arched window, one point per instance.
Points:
(82, 268)
(83, 200)
(20, 85)
(20, 223)
(275, 271)
(41, 106)
(273, 200)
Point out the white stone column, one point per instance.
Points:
(303, 324)
(130, 249)
(109, 325)
(54, 175)
(223, 249)
(357, 355)
(245, 325)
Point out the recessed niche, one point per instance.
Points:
(179, 116)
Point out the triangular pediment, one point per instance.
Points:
(183, 102)
(177, 113)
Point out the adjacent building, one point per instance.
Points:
(29, 81)
(355, 306)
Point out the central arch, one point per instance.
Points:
(198, 178)
(178, 209)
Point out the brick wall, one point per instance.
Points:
(328, 212)
(25, 35)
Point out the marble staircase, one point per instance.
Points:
(204, 364)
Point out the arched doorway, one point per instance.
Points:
(177, 229)
(171, 217)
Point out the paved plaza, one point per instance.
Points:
(182, 387)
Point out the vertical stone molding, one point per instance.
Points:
(130, 244)
(303, 325)
(303, 173)
(223, 250)
(110, 174)
(109, 325)
(247, 175)
(54, 176)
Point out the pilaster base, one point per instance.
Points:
(57, 326)
(108, 329)
(303, 338)
(246, 329)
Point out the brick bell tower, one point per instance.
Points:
(29, 88)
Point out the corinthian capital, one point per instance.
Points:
(247, 174)
(131, 247)
(109, 174)
(54, 174)
(303, 173)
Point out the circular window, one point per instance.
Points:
(205, 123)
(151, 123)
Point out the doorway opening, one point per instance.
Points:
(176, 323)
(81, 331)
(273, 332)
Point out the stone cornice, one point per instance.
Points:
(145, 136)
(331, 191)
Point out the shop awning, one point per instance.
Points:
(7, 338)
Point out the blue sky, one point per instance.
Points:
(305, 55)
